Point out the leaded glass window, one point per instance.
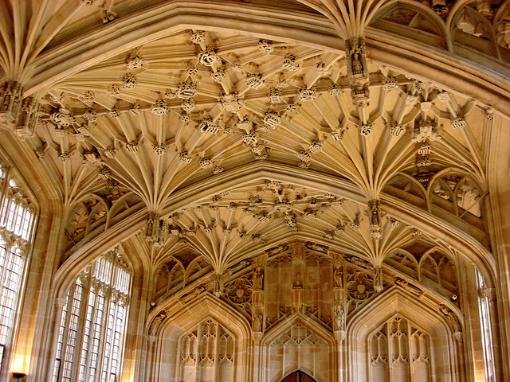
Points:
(17, 220)
(93, 322)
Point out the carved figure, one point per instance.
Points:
(340, 317)
(258, 278)
(257, 323)
(357, 66)
(338, 277)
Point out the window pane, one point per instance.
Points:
(103, 315)
(15, 219)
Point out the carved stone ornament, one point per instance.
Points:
(134, 62)
(453, 322)
(156, 230)
(231, 103)
(378, 279)
(218, 76)
(186, 89)
(290, 63)
(366, 129)
(160, 107)
(208, 57)
(375, 224)
(272, 120)
(198, 37)
(185, 157)
(254, 80)
(265, 46)
(128, 80)
(209, 126)
(425, 130)
(306, 95)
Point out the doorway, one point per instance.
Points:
(298, 376)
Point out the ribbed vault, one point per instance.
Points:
(205, 137)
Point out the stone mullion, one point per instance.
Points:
(216, 348)
(8, 206)
(409, 349)
(80, 328)
(390, 349)
(136, 356)
(22, 219)
(104, 327)
(67, 322)
(91, 333)
(197, 361)
(5, 189)
(57, 318)
(3, 277)
(112, 296)
(16, 216)
(112, 339)
(297, 283)
(107, 288)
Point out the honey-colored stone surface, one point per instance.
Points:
(304, 189)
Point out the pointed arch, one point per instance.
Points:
(181, 319)
(293, 377)
(298, 331)
(97, 242)
(445, 352)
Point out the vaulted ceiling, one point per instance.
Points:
(224, 143)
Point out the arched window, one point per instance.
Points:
(93, 322)
(17, 221)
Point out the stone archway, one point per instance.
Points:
(298, 376)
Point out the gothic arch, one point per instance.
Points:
(446, 350)
(320, 337)
(303, 377)
(85, 251)
(422, 9)
(133, 30)
(182, 318)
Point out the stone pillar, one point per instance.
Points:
(298, 269)
(472, 355)
(498, 217)
(339, 312)
(258, 315)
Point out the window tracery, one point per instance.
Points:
(17, 222)
(298, 347)
(92, 325)
(206, 352)
(400, 351)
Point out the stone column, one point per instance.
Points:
(339, 312)
(258, 315)
(498, 217)
(298, 269)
